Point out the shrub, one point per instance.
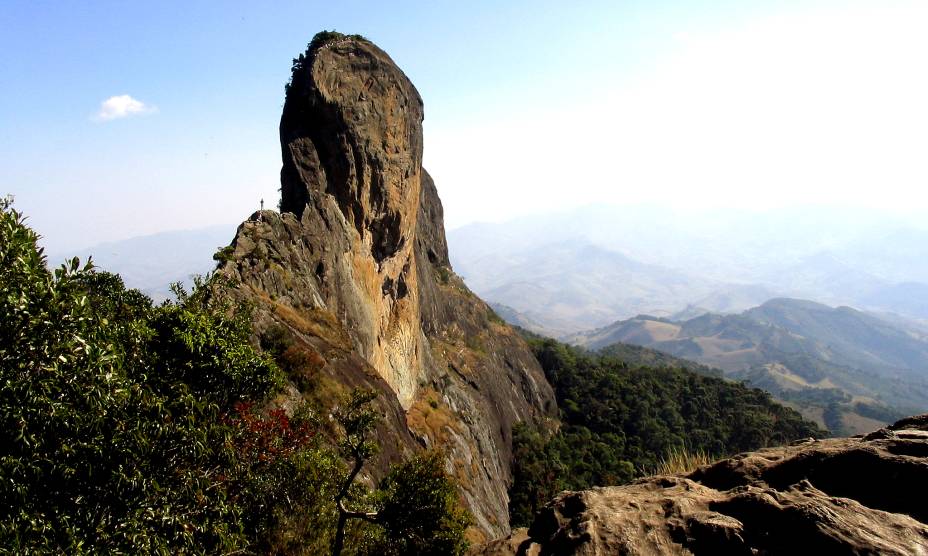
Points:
(224, 254)
(418, 509)
(111, 409)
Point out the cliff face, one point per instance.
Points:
(355, 269)
(351, 136)
(860, 495)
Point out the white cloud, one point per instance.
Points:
(122, 106)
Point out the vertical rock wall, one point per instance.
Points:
(351, 139)
(356, 264)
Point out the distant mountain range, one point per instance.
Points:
(862, 369)
(567, 285)
(152, 263)
(584, 268)
(709, 290)
(575, 285)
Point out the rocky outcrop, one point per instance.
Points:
(355, 271)
(863, 495)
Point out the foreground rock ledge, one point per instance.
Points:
(862, 495)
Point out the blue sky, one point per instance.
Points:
(530, 106)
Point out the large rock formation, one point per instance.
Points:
(862, 495)
(355, 271)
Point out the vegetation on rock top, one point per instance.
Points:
(319, 40)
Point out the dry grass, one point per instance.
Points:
(314, 322)
(855, 423)
(302, 364)
(680, 461)
(430, 417)
(474, 536)
(662, 331)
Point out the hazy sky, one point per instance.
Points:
(125, 118)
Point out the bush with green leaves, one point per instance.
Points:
(415, 509)
(113, 429)
(419, 511)
(127, 427)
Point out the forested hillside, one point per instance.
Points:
(640, 356)
(620, 420)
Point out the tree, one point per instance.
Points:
(357, 420)
(415, 509)
(418, 509)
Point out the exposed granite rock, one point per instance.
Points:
(351, 139)
(863, 495)
(356, 269)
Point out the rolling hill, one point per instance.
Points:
(843, 367)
